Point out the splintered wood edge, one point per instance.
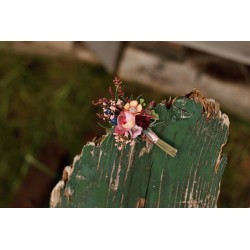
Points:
(55, 197)
(210, 107)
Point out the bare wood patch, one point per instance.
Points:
(140, 203)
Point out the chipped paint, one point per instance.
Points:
(111, 176)
(80, 177)
(131, 155)
(189, 180)
(121, 203)
(176, 194)
(117, 178)
(192, 190)
(146, 149)
(187, 188)
(55, 197)
(91, 144)
(140, 203)
(225, 120)
(217, 164)
(68, 171)
(68, 192)
(159, 195)
(210, 106)
(100, 155)
(143, 151)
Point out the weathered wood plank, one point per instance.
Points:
(235, 51)
(43, 48)
(140, 176)
(174, 77)
(106, 52)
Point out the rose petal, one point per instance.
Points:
(129, 116)
(134, 132)
(133, 103)
(121, 119)
(127, 106)
(125, 122)
(139, 108)
(129, 125)
(120, 130)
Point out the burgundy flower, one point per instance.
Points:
(142, 121)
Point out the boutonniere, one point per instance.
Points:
(131, 119)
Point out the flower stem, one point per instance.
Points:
(160, 143)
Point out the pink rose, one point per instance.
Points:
(135, 131)
(125, 122)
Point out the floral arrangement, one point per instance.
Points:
(131, 119)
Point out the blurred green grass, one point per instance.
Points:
(43, 99)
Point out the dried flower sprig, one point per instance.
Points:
(130, 119)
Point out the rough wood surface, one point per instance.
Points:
(237, 51)
(174, 77)
(141, 176)
(106, 52)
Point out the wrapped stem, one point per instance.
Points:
(160, 143)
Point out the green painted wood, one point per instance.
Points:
(140, 176)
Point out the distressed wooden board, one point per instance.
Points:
(174, 77)
(237, 51)
(106, 52)
(103, 176)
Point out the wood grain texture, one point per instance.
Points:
(237, 51)
(173, 77)
(141, 176)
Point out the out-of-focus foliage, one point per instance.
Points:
(44, 99)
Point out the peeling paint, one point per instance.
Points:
(179, 182)
(210, 106)
(194, 204)
(111, 176)
(121, 203)
(55, 197)
(68, 192)
(114, 186)
(192, 190)
(67, 172)
(80, 177)
(159, 195)
(187, 188)
(131, 155)
(225, 120)
(217, 164)
(146, 150)
(117, 178)
(176, 194)
(140, 203)
(91, 143)
(100, 155)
